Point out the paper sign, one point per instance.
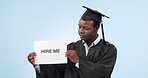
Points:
(50, 52)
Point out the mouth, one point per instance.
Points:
(82, 36)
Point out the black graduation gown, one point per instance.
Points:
(98, 63)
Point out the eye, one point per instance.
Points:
(79, 27)
(86, 28)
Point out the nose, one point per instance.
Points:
(81, 31)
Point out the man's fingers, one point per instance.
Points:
(32, 54)
(72, 55)
(32, 60)
(70, 52)
(31, 57)
(68, 56)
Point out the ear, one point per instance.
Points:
(97, 28)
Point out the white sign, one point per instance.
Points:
(50, 52)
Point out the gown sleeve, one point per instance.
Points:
(101, 69)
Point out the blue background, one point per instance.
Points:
(24, 21)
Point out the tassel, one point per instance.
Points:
(103, 33)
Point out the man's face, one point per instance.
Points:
(86, 30)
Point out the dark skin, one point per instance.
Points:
(31, 58)
(87, 32)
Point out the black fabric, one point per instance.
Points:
(38, 75)
(99, 63)
(94, 15)
(51, 71)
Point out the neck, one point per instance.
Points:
(89, 42)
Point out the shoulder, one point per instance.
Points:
(110, 47)
(107, 45)
(74, 44)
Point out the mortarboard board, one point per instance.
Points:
(94, 15)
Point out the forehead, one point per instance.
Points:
(85, 23)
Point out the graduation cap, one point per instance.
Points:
(95, 16)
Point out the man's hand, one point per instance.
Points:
(72, 55)
(31, 58)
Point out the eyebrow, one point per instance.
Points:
(83, 25)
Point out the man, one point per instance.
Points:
(90, 57)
